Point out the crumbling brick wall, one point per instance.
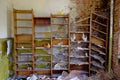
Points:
(116, 32)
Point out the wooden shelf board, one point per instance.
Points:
(41, 38)
(79, 64)
(24, 62)
(23, 70)
(80, 41)
(59, 15)
(99, 23)
(95, 70)
(80, 49)
(79, 57)
(99, 46)
(82, 20)
(23, 34)
(24, 48)
(39, 47)
(60, 38)
(98, 38)
(99, 31)
(100, 52)
(100, 16)
(66, 46)
(42, 32)
(59, 62)
(39, 62)
(59, 24)
(23, 19)
(26, 42)
(41, 25)
(79, 32)
(98, 66)
(82, 25)
(23, 27)
(41, 69)
(22, 54)
(23, 11)
(42, 17)
(60, 69)
(97, 58)
(42, 55)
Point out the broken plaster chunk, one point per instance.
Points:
(33, 77)
(64, 73)
(60, 78)
(75, 78)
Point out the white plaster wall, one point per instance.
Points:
(5, 18)
(42, 7)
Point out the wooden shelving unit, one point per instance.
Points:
(80, 46)
(23, 39)
(49, 45)
(42, 53)
(99, 42)
(60, 27)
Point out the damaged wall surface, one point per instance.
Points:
(116, 32)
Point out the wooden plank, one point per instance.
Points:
(59, 15)
(23, 19)
(101, 16)
(23, 27)
(84, 19)
(24, 72)
(56, 41)
(24, 38)
(97, 41)
(23, 11)
(44, 72)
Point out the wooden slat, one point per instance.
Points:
(81, 25)
(84, 19)
(23, 11)
(99, 31)
(23, 72)
(23, 19)
(56, 41)
(98, 38)
(80, 32)
(42, 71)
(99, 23)
(100, 52)
(59, 15)
(23, 27)
(101, 16)
(97, 41)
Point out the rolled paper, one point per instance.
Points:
(47, 45)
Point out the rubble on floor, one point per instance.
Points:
(76, 75)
